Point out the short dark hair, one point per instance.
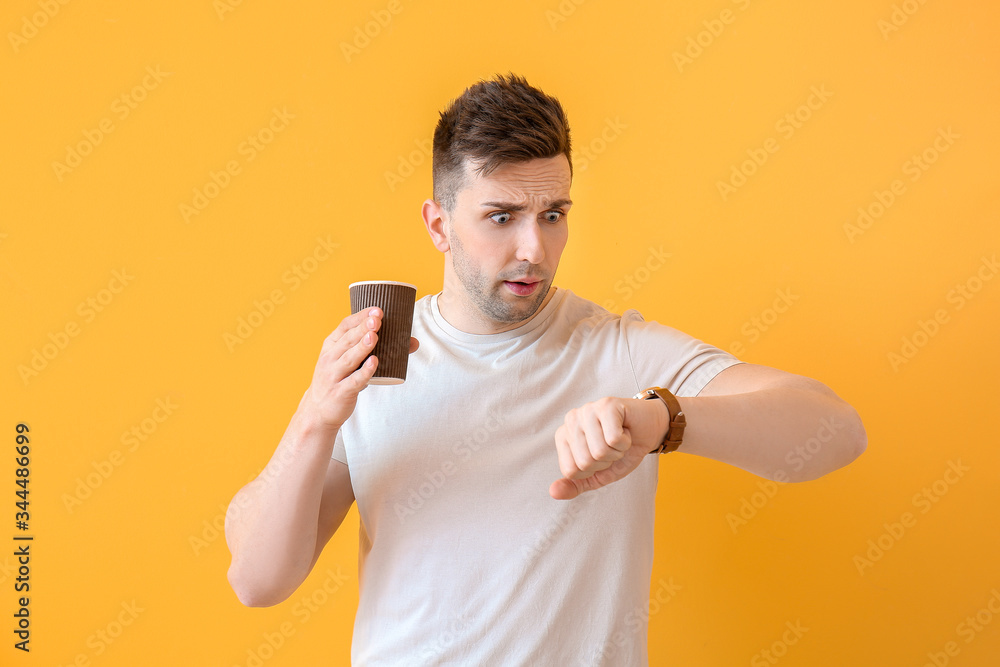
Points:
(494, 123)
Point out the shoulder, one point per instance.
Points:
(589, 318)
(573, 306)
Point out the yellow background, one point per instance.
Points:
(145, 536)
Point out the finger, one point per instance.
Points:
(338, 362)
(351, 337)
(567, 489)
(564, 489)
(583, 462)
(614, 431)
(360, 378)
(350, 322)
(414, 344)
(595, 431)
(567, 466)
(353, 357)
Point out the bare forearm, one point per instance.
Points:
(272, 524)
(278, 523)
(785, 433)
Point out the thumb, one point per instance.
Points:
(564, 489)
(568, 489)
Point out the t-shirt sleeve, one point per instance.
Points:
(339, 452)
(662, 356)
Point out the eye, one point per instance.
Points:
(553, 216)
(501, 217)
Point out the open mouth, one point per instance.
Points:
(521, 288)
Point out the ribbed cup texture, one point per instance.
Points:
(393, 346)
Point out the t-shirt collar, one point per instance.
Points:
(540, 317)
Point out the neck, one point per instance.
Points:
(459, 311)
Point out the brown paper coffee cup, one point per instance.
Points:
(393, 346)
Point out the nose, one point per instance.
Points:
(530, 247)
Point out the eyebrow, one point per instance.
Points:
(510, 206)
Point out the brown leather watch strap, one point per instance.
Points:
(675, 429)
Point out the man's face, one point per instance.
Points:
(506, 235)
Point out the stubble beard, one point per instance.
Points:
(488, 296)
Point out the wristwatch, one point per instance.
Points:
(675, 430)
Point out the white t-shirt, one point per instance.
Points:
(464, 557)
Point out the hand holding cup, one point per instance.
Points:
(345, 367)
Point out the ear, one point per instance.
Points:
(436, 223)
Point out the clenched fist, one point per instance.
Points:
(603, 441)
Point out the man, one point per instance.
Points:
(506, 490)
